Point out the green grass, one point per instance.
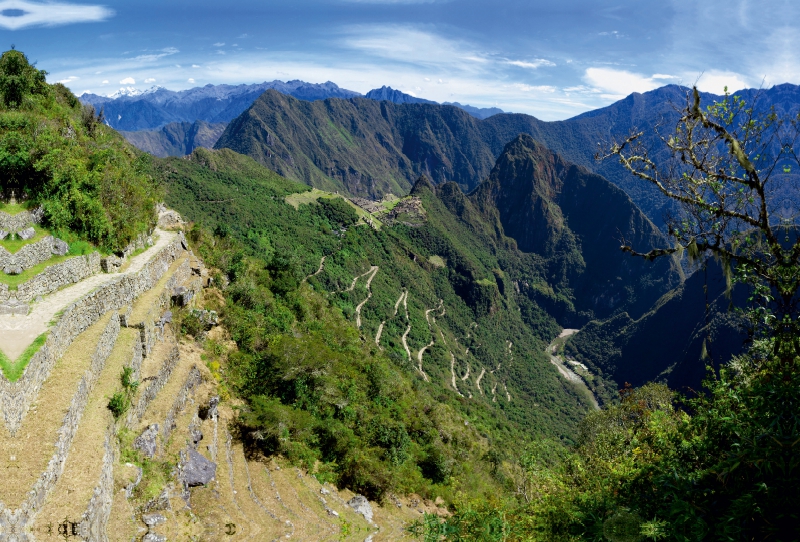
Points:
(79, 248)
(14, 209)
(14, 369)
(13, 245)
(296, 200)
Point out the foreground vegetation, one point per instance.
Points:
(57, 154)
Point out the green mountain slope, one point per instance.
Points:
(576, 219)
(360, 146)
(667, 342)
(176, 138)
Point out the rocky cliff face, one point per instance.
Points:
(576, 220)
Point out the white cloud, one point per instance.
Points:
(17, 14)
(105, 82)
(219, 44)
(69, 80)
(195, 65)
(616, 84)
(715, 81)
(150, 80)
(128, 81)
(530, 64)
(190, 80)
(534, 88)
(412, 45)
(664, 76)
(151, 57)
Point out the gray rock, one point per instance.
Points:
(196, 435)
(146, 442)
(181, 296)
(154, 537)
(209, 412)
(197, 470)
(111, 264)
(333, 513)
(60, 248)
(27, 233)
(3, 234)
(151, 520)
(361, 505)
(324, 491)
(168, 218)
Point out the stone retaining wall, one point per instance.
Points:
(136, 413)
(94, 522)
(19, 221)
(30, 255)
(192, 382)
(75, 319)
(69, 427)
(59, 275)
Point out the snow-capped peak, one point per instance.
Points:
(133, 91)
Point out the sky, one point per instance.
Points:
(551, 59)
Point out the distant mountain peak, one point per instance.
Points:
(389, 94)
(132, 91)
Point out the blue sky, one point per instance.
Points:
(551, 59)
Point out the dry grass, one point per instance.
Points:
(82, 469)
(33, 445)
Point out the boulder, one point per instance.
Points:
(146, 442)
(168, 219)
(60, 247)
(196, 435)
(27, 233)
(111, 264)
(361, 505)
(154, 537)
(210, 411)
(197, 470)
(3, 234)
(151, 520)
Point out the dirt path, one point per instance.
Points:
(318, 271)
(374, 270)
(19, 332)
(478, 380)
(453, 373)
(565, 371)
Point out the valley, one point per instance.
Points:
(356, 318)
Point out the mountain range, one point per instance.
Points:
(540, 190)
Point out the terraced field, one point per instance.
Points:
(74, 470)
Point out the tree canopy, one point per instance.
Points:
(58, 154)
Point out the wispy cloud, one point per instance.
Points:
(531, 64)
(18, 14)
(161, 53)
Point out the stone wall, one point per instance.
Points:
(76, 318)
(136, 413)
(19, 221)
(69, 427)
(192, 382)
(30, 255)
(59, 275)
(94, 522)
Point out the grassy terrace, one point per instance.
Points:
(14, 369)
(77, 248)
(296, 200)
(13, 209)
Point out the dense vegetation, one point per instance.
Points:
(317, 390)
(721, 464)
(59, 155)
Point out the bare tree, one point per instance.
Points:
(729, 168)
